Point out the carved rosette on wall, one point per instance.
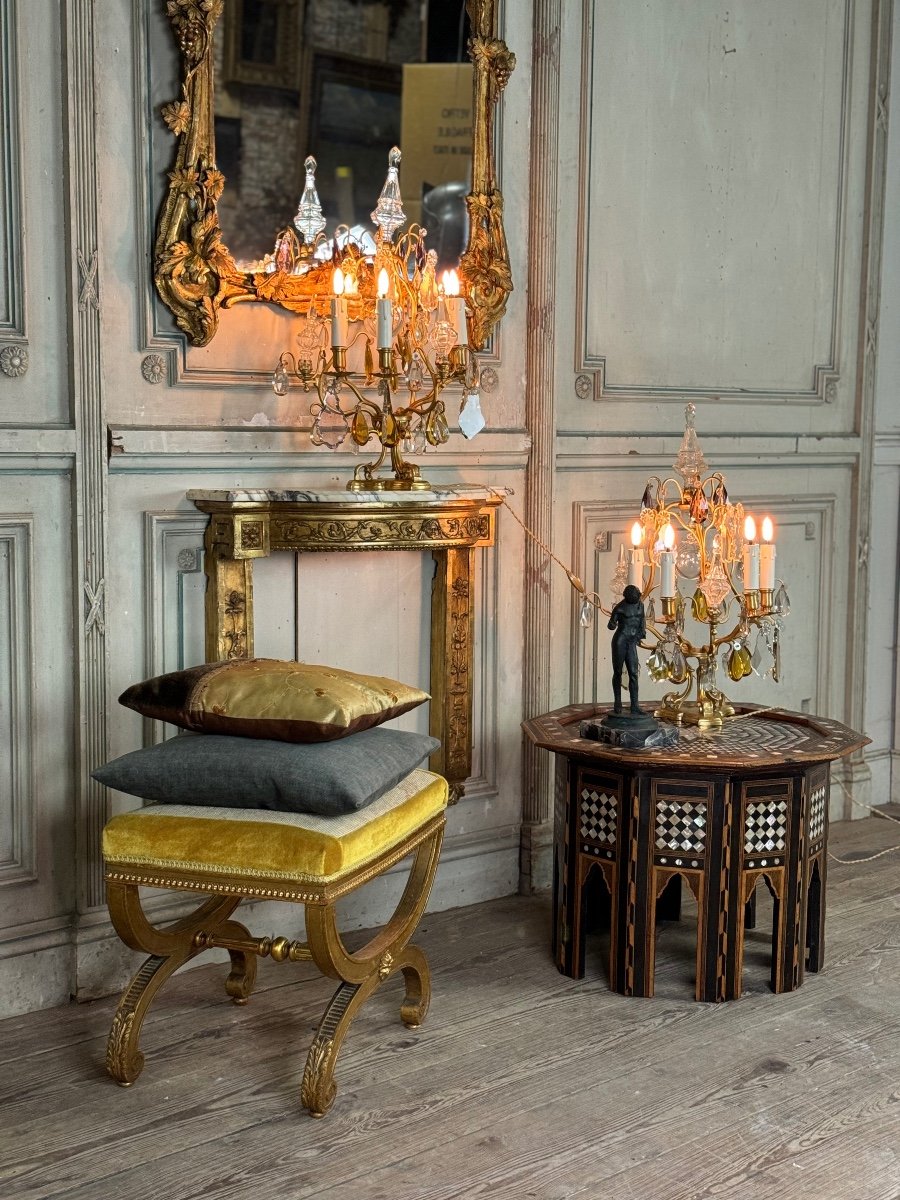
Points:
(13, 361)
(196, 275)
(153, 368)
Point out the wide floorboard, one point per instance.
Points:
(520, 1084)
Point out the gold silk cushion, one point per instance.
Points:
(268, 698)
(252, 844)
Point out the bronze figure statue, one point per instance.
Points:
(627, 619)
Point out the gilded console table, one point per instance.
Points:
(246, 524)
(721, 810)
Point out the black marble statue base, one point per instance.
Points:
(631, 731)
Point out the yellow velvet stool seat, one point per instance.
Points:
(231, 854)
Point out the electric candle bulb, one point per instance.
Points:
(667, 562)
(751, 556)
(339, 329)
(383, 311)
(767, 556)
(636, 557)
(456, 307)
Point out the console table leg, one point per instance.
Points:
(452, 638)
(229, 603)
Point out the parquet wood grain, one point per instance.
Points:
(522, 1083)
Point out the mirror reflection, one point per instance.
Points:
(344, 81)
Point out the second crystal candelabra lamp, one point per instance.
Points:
(691, 532)
(375, 294)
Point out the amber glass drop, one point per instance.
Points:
(735, 666)
(699, 608)
(699, 506)
(359, 429)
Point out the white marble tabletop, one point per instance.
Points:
(439, 495)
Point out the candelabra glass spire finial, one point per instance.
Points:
(388, 214)
(690, 463)
(309, 220)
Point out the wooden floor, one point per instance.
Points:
(520, 1084)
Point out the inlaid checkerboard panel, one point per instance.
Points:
(598, 816)
(765, 827)
(818, 803)
(680, 826)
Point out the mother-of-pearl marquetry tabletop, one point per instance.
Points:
(450, 522)
(721, 810)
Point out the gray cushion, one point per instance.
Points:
(328, 778)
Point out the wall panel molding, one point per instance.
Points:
(861, 623)
(826, 385)
(18, 802)
(539, 408)
(173, 567)
(12, 223)
(90, 486)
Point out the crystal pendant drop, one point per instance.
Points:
(756, 657)
(311, 335)
(699, 506)
(782, 601)
(657, 667)
(699, 609)
(280, 381)
(388, 214)
(414, 376)
(715, 586)
(651, 611)
(359, 429)
(735, 665)
(647, 498)
(586, 613)
(678, 668)
(309, 219)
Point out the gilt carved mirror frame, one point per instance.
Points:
(194, 272)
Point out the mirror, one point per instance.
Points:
(265, 81)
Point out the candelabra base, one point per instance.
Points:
(710, 712)
(389, 485)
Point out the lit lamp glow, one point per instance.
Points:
(713, 537)
(456, 307)
(338, 312)
(751, 557)
(636, 557)
(767, 556)
(381, 291)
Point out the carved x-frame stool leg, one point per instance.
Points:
(361, 972)
(364, 970)
(169, 949)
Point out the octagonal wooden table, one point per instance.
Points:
(721, 810)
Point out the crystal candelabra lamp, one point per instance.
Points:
(691, 536)
(363, 295)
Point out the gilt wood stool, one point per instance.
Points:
(229, 855)
(721, 810)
